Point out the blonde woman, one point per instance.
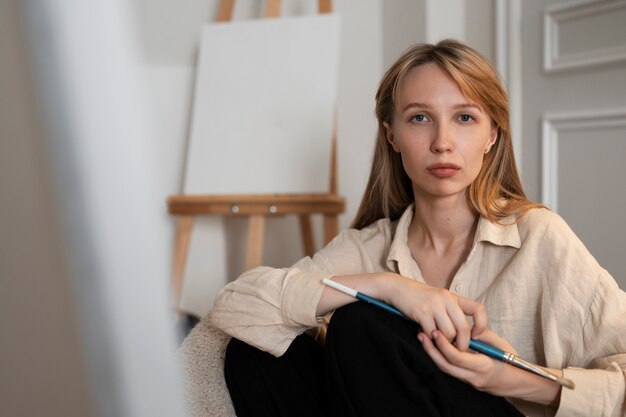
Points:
(446, 234)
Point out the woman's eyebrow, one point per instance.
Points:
(467, 106)
(455, 106)
(417, 105)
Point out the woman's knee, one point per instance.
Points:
(354, 321)
(238, 355)
(360, 322)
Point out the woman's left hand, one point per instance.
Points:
(486, 374)
(480, 371)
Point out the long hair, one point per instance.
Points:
(497, 191)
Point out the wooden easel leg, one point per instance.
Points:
(308, 239)
(272, 8)
(254, 248)
(331, 227)
(181, 248)
(325, 6)
(225, 11)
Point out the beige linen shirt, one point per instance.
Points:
(544, 293)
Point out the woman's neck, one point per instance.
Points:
(441, 224)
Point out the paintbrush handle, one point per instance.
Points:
(380, 304)
(489, 350)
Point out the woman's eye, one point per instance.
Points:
(420, 118)
(466, 118)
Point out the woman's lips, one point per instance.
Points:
(443, 170)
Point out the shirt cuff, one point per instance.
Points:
(300, 296)
(596, 393)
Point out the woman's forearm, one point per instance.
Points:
(372, 284)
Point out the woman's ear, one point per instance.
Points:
(493, 137)
(390, 137)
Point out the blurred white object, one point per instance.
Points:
(105, 184)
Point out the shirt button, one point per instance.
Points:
(458, 288)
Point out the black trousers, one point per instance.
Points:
(372, 365)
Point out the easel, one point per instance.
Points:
(256, 207)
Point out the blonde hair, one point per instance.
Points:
(497, 191)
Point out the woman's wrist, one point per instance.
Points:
(533, 388)
(376, 284)
(387, 285)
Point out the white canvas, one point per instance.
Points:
(264, 106)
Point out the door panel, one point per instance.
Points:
(574, 119)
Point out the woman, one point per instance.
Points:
(444, 232)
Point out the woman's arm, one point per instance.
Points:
(268, 307)
(433, 308)
(583, 327)
(598, 366)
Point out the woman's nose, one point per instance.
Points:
(441, 141)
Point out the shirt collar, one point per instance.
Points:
(505, 234)
(399, 258)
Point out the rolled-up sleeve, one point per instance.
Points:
(268, 307)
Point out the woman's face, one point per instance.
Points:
(441, 136)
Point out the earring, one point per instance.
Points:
(486, 150)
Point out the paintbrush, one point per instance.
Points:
(476, 345)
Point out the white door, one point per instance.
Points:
(573, 118)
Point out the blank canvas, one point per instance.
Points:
(264, 104)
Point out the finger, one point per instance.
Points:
(448, 314)
(428, 325)
(433, 352)
(464, 363)
(444, 324)
(461, 325)
(478, 313)
(440, 359)
(447, 349)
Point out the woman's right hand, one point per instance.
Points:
(433, 308)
